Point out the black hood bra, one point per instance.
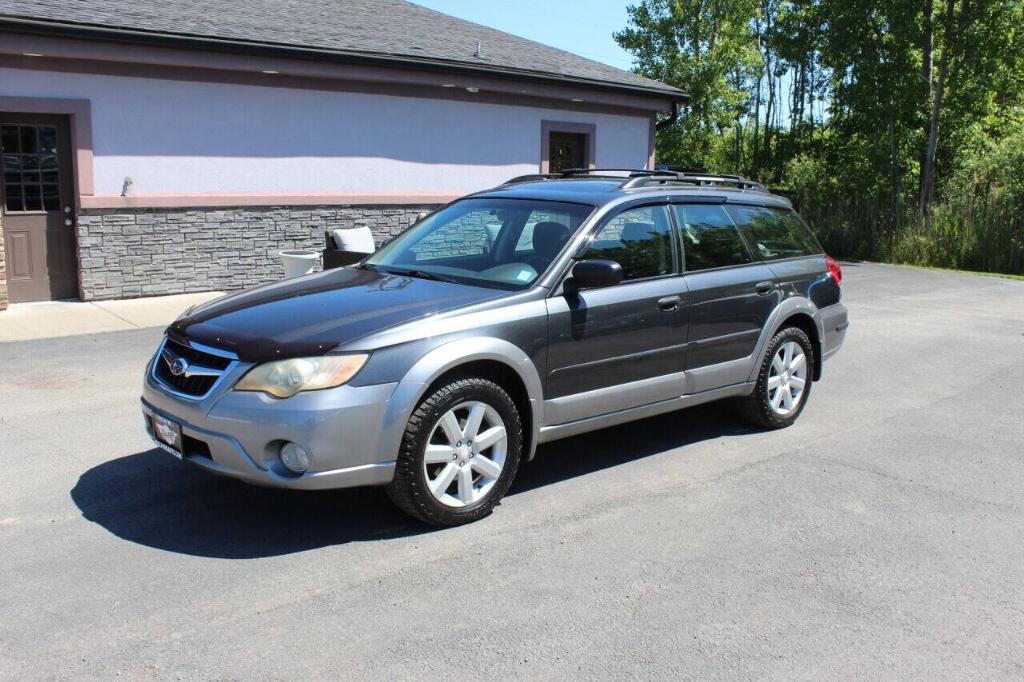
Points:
(311, 315)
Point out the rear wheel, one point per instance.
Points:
(783, 382)
(459, 453)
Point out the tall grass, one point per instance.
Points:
(970, 231)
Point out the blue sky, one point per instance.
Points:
(581, 26)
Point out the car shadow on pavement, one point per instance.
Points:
(597, 450)
(152, 499)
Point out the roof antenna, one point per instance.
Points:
(478, 50)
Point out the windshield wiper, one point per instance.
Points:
(422, 274)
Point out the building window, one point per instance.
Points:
(566, 145)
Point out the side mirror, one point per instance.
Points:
(595, 274)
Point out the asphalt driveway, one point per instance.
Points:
(881, 536)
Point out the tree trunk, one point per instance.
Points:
(927, 67)
(894, 177)
(928, 169)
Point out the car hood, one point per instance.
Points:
(310, 315)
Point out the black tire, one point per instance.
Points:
(757, 408)
(409, 489)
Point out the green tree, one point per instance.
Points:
(706, 47)
(888, 120)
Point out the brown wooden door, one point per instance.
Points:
(37, 203)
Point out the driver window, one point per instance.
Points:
(638, 239)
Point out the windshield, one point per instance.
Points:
(506, 243)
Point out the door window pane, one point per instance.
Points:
(48, 140)
(9, 140)
(30, 168)
(640, 240)
(28, 140)
(33, 198)
(13, 198)
(774, 233)
(710, 238)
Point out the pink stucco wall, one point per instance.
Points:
(183, 137)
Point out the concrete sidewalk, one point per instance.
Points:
(49, 319)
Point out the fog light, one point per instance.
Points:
(295, 457)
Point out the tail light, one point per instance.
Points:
(834, 271)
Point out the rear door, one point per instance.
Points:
(731, 296)
(623, 346)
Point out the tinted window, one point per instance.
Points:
(710, 238)
(640, 240)
(774, 233)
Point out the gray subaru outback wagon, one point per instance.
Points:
(546, 307)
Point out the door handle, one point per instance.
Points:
(669, 303)
(764, 288)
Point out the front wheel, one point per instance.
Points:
(459, 453)
(783, 382)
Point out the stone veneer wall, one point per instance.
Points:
(3, 268)
(150, 252)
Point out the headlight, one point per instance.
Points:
(285, 378)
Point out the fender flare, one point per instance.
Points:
(789, 307)
(446, 357)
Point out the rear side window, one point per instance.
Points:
(638, 239)
(774, 233)
(709, 236)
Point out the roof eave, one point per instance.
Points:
(110, 34)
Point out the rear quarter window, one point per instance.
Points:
(774, 233)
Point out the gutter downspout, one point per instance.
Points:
(671, 119)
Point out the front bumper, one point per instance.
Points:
(238, 434)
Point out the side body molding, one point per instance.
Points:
(440, 360)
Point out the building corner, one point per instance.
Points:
(3, 267)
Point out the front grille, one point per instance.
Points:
(196, 385)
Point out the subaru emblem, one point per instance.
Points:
(179, 366)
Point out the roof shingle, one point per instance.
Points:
(384, 28)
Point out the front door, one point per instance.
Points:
(36, 199)
(623, 346)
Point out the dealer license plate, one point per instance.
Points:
(168, 434)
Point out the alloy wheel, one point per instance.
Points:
(465, 454)
(787, 378)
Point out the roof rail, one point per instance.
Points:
(531, 177)
(581, 173)
(643, 177)
(575, 172)
(663, 177)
